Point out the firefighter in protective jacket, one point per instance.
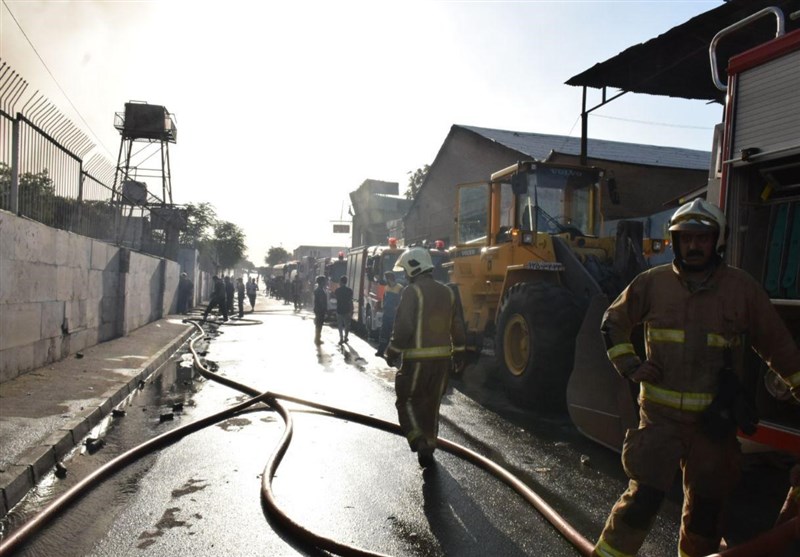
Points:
(700, 316)
(429, 335)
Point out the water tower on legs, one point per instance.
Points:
(146, 132)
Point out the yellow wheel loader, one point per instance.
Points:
(529, 263)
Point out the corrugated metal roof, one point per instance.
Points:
(540, 146)
(677, 62)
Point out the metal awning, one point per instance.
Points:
(676, 63)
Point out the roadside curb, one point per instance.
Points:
(34, 463)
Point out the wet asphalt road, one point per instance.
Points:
(340, 479)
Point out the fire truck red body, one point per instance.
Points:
(758, 187)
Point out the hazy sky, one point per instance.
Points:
(284, 107)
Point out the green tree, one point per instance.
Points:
(228, 244)
(36, 193)
(415, 181)
(276, 255)
(200, 223)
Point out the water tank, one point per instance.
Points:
(146, 121)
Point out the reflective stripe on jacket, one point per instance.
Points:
(686, 332)
(427, 325)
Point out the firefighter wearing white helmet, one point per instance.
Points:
(700, 318)
(698, 220)
(428, 336)
(414, 261)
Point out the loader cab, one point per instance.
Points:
(555, 199)
(529, 198)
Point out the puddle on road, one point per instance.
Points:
(190, 486)
(234, 424)
(167, 521)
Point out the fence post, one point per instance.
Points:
(14, 199)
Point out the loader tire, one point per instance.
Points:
(535, 343)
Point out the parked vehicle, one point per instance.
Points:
(527, 262)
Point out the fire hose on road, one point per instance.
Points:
(761, 546)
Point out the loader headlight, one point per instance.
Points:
(527, 238)
(658, 245)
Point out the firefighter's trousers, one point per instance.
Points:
(420, 385)
(651, 455)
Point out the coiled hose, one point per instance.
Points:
(770, 541)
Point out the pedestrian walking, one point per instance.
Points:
(344, 309)
(185, 292)
(700, 318)
(428, 338)
(297, 291)
(320, 308)
(229, 289)
(218, 298)
(252, 288)
(391, 298)
(240, 296)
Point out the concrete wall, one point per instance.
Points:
(61, 292)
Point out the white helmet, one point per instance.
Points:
(414, 261)
(699, 215)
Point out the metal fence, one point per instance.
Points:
(45, 174)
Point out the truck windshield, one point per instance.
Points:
(558, 200)
(387, 264)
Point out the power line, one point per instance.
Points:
(55, 80)
(651, 123)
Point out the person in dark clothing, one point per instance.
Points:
(218, 299)
(391, 298)
(185, 290)
(297, 292)
(344, 309)
(252, 288)
(229, 293)
(240, 296)
(320, 308)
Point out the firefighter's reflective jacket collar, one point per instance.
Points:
(707, 282)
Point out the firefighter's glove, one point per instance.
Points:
(729, 409)
(392, 358)
(647, 371)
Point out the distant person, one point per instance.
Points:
(252, 288)
(344, 309)
(320, 308)
(185, 291)
(427, 342)
(391, 297)
(240, 296)
(218, 298)
(297, 292)
(229, 293)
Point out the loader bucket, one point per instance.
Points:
(602, 404)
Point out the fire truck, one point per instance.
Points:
(758, 186)
(365, 268)
(755, 179)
